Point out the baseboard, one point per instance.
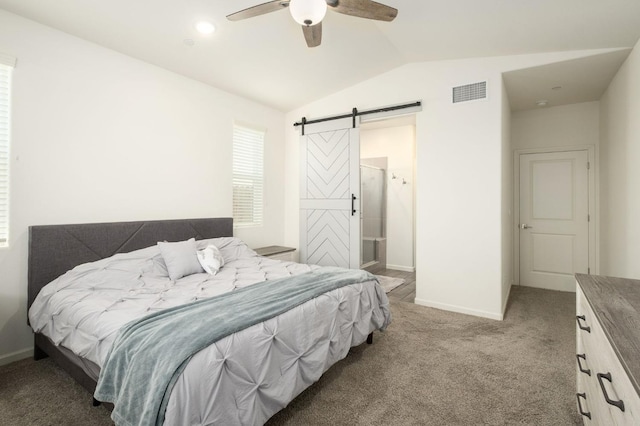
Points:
(16, 356)
(459, 309)
(401, 268)
(569, 289)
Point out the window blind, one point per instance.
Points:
(5, 97)
(248, 176)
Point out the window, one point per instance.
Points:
(6, 66)
(248, 176)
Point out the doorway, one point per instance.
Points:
(554, 228)
(387, 166)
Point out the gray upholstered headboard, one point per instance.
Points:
(55, 249)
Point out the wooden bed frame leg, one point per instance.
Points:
(370, 338)
(95, 402)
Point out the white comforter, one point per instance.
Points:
(242, 379)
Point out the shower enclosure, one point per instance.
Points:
(373, 220)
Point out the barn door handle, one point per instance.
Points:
(353, 204)
(586, 327)
(582, 413)
(607, 376)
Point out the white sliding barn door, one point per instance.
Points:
(329, 181)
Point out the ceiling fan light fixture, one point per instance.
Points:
(205, 27)
(308, 12)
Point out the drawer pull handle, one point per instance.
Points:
(607, 376)
(586, 327)
(582, 413)
(582, 370)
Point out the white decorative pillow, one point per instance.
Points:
(181, 258)
(210, 259)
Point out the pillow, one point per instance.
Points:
(210, 259)
(180, 258)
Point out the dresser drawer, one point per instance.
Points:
(590, 335)
(615, 393)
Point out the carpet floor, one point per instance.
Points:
(430, 367)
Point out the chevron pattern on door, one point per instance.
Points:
(328, 237)
(328, 165)
(330, 194)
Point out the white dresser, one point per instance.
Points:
(608, 350)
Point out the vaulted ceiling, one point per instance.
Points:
(266, 59)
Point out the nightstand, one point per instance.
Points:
(277, 253)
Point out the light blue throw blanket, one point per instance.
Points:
(149, 354)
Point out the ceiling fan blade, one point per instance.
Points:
(258, 10)
(313, 34)
(364, 9)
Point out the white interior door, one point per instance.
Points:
(330, 194)
(554, 219)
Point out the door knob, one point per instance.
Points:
(524, 226)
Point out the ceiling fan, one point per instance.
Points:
(309, 13)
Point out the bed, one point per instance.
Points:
(244, 377)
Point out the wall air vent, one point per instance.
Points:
(470, 92)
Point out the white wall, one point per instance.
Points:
(99, 136)
(561, 126)
(459, 156)
(619, 172)
(397, 144)
(507, 200)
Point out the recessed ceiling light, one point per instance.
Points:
(205, 27)
(542, 103)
